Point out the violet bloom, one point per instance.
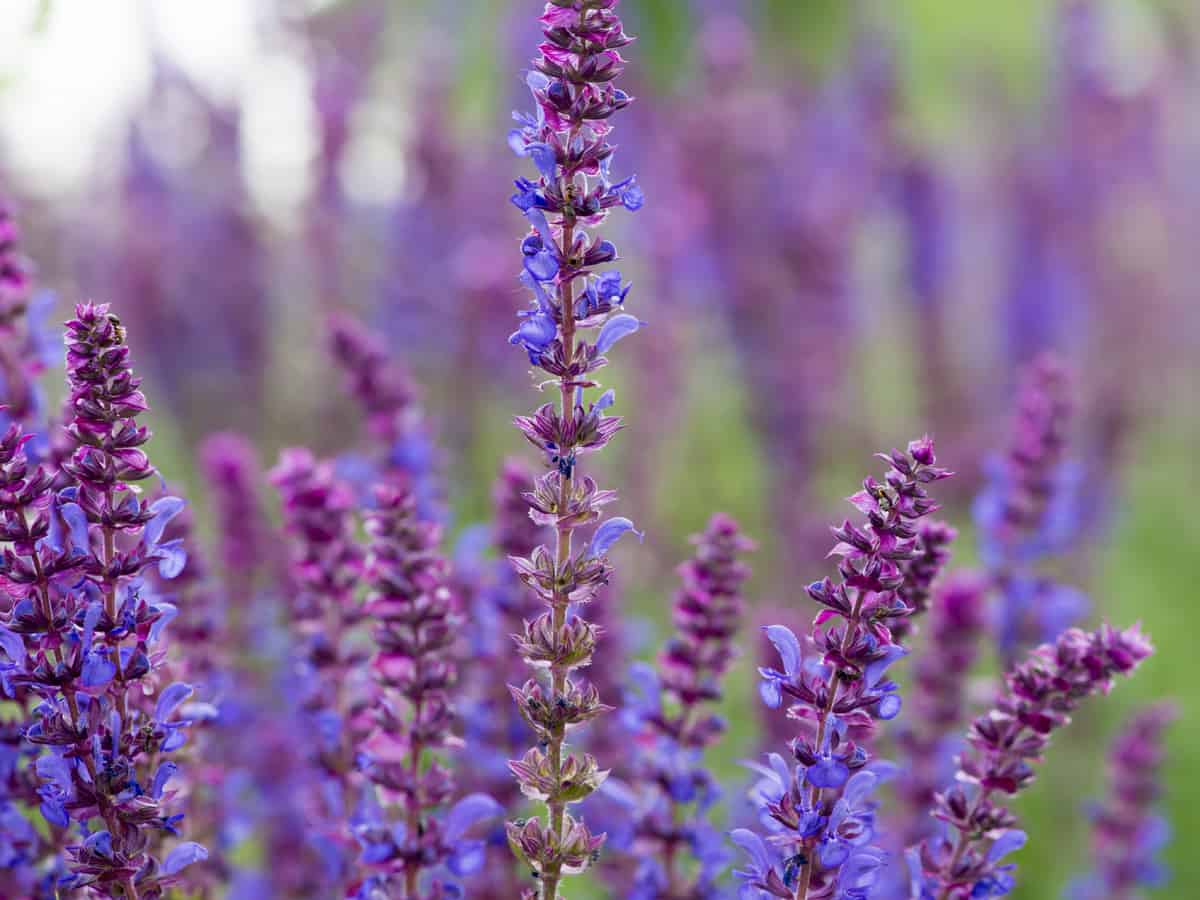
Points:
(493, 729)
(565, 140)
(403, 451)
(930, 738)
(415, 628)
(107, 723)
(1128, 833)
(1029, 511)
(26, 344)
(326, 569)
(967, 861)
(818, 814)
(230, 464)
(670, 793)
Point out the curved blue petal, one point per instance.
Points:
(466, 812)
(170, 698)
(183, 856)
(614, 329)
(787, 645)
(609, 533)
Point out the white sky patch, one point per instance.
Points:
(65, 86)
(279, 132)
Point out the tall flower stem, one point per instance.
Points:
(566, 139)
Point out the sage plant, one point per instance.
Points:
(415, 625)
(566, 139)
(967, 860)
(670, 797)
(83, 631)
(1128, 832)
(820, 820)
(1028, 512)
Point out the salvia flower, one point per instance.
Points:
(818, 814)
(230, 465)
(323, 608)
(1029, 511)
(671, 793)
(566, 140)
(405, 451)
(968, 862)
(930, 735)
(415, 626)
(107, 725)
(1127, 832)
(27, 340)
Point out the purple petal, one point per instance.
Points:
(164, 510)
(827, 773)
(183, 856)
(609, 533)
(1013, 839)
(614, 329)
(787, 645)
(171, 558)
(466, 812)
(170, 698)
(753, 847)
(12, 645)
(874, 670)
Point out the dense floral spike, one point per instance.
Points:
(671, 791)
(15, 280)
(566, 140)
(415, 628)
(25, 338)
(1029, 511)
(933, 541)
(1003, 745)
(326, 568)
(230, 464)
(1127, 831)
(818, 814)
(493, 729)
(929, 736)
(82, 633)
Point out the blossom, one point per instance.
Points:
(1002, 746)
(670, 793)
(1128, 834)
(818, 814)
(566, 140)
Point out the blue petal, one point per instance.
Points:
(164, 510)
(172, 557)
(614, 329)
(12, 645)
(170, 698)
(98, 670)
(516, 140)
(606, 400)
(874, 670)
(827, 773)
(468, 858)
(541, 265)
(466, 812)
(54, 812)
(543, 157)
(183, 856)
(632, 198)
(787, 645)
(888, 707)
(770, 692)
(754, 847)
(1013, 839)
(77, 524)
(166, 770)
(609, 533)
(538, 220)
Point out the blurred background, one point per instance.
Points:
(863, 220)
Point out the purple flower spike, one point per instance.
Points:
(670, 793)
(820, 817)
(566, 138)
(1002, 744)
(1128, 833)
(84, 629)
